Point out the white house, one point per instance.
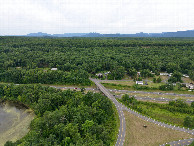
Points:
(164, 74)
(99, 75)
(53, 68)
(190, 86)
(139, 82)
(186, 76)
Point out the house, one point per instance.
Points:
(190, 86)
(99, 75)
(53, 68)
(186, 76)
(139, 82)
(164, 74)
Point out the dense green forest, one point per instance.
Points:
(92, 55)
(64, 117)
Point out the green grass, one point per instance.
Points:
(160, 114)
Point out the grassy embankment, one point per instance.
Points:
(155, 111)
(153, 135)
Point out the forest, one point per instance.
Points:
(64, 117)
(24, 59)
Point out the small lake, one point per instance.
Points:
(14, 121)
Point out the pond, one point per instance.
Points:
(14, 121)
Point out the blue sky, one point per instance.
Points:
(19, 17)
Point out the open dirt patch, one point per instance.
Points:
(153, 135)
(14, 122)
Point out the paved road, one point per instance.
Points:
(119, 96)
(74, 88)
(122, 129)
(161, 99)
(125, 91)
(180, 142)
(159, 93)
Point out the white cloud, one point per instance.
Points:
(104, 16)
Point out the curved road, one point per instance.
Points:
(120, 108)
(180, 142)
(122, 129)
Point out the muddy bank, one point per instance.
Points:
(14, 121)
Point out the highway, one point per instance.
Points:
(120, 108)
(138, 98)
(122, 128)
(158, 93)
(160, 99)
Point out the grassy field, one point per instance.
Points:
(161, 114)
(153, 135)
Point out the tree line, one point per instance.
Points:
(93, 55)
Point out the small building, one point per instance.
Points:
(164, 74)
(139, 82)
(186, 76)
(53, 68)
(190, 86)
(174, 84)
(99, 75)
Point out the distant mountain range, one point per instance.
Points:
(188, 33)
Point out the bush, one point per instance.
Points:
(166, 87)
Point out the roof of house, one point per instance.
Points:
(53, 68)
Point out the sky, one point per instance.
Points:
(20, 17)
